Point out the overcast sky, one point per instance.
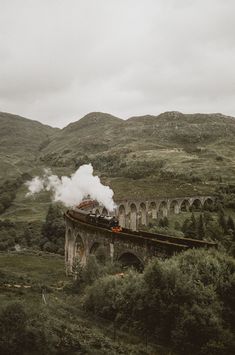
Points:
(60, 59)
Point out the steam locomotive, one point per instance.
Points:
(82, 212)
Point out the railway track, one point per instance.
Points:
(153, 239)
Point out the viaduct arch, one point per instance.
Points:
(136, 213)
(82, 240)
(128, 246)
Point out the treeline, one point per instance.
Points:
(8, 191)
(14, 235)
(219, 228)
(211, 223)
(7, 235)
(126, 163)
(25, 333)
(185, 302)
(30, 329)
(48, 236)
(53, 231)
(226, 194)
(205, 226)
(116, 165)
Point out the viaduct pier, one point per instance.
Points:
(130, 247)
(133, 214)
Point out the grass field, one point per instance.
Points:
(28, 208)
(22, 275)
(95, 335)
(47, 269)
(196, 152)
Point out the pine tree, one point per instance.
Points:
(222, 222)
(207, 218)
(185, 226)
(166, 222)
(200, 228)
(230, 223)
(53, 230)
(190, 227)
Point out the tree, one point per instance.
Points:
(91, 271)
(163, 222)
(12, 329)
(28, 236)
(230, 224)
(200, 228)
(207, 218)
(1, 208)
(222, 222)
(189, 227)
(186, 301)
(166, 222)
(53, 230)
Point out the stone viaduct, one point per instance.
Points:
(136, 213)
(130, 246)
(82, 240)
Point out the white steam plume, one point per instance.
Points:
(35, 185)
(72, 190)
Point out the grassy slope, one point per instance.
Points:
(95, 335)
(192, 153)
(45, 269)
(20, 142)
(184, 142)
(198, 146)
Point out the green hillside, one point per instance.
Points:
(92, 134)
(21, 140)
(150, 156)
(172, 154)
(169, 154)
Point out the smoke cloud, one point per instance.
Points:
(72, 190)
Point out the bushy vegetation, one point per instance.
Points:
(187, 301)
(226, 195)
(115, 164)
(19, 235)
(59, 326)
(212, 222)
(8, 191)
(7, 235)
(53, 231)
(21, 333)
(27, 331)
(48, 236)
(93, 270)
(219, 228)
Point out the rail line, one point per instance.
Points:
(156, 240)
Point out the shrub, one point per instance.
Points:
(53, 231)
(186, 300)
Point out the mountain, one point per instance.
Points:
(92, 133)
(168, 130)
(172, 154)
(21, 140)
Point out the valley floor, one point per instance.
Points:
(38, 282)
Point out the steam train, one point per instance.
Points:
(82, 212)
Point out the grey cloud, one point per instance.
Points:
(62, 59)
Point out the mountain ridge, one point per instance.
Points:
(97, 115)
(172, 149)
(15, 117)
